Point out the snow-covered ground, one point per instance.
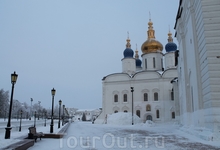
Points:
(85, 135)
(15, 134)
(120, 134)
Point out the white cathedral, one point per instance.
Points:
(181, 85)
(144, 87)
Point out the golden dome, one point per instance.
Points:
(151, 45)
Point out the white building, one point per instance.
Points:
(150, 80)
(90, 114)
(198, 85)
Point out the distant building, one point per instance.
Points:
(150, 79)
(197, 88)
(91, 114)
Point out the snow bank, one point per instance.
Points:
(122, 118)
(149, 123)
(7, 142)
(201, 132)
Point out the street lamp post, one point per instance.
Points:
(31, 108)
(35, 114)
(45, 116)
(132, 105)
(39, 109)
(53, 91)
(60, 102)
(20, 121)
(14, 77)
(63, 115)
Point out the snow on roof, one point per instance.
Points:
(83, 110)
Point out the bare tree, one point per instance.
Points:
(18, 106)
(4, 102)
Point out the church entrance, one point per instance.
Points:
(138, 113)
(149, 117)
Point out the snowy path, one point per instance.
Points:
(84, 135)
(16, 135)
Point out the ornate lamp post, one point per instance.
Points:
(63, 115)
(14, 77)
(60, 102)
(20, 121)
(53, 91)
(31, 108)
(132, 105)
(35, 115)
(39, 109)
(45, 116)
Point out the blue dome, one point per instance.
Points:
(138, 62)
(128, 53)
(170, 47)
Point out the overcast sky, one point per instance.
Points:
(70, 45)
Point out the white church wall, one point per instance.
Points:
(146, 75)
(169, 60)
(115, 88)
(140, 86)
(170, 73)
(197, 65)
(148, 61)
(164, 103)
(181, 81)
(189, 70)
(128, 65)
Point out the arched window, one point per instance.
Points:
(115, 98)
(154, 63)
(173, 115)
(148, 108)
(125, 98)
(125, 111)
(116, 111)
(138, 113)
(155, 96)
(158, 113)
(145, 97)
(172, 95)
